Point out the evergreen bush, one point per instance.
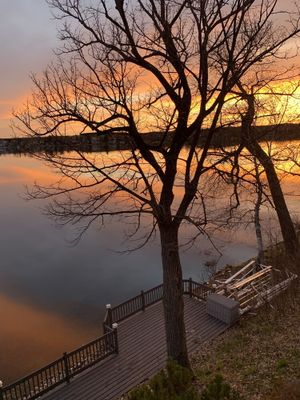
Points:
(174, 383)
(217, 389)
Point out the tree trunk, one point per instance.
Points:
(173, 295)
(286, 224)
(258, 230)
(260, 248)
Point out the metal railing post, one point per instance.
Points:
(190, 287)
(143, 300)
(66, 365)
(109, 315)
(115, 331)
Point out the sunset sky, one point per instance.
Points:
(28, 34)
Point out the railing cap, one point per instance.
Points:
(108, 306)
(114, 325)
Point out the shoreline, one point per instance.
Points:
(112, 141)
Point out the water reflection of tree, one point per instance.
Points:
(162, 66)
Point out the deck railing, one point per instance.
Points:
(195, 289)
(71, 364)
(61, 370)
(149, 297)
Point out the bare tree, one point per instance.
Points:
(255, 101)
(251, 143)
(149, 65)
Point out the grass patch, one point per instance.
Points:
(260, 353)
(282, 364)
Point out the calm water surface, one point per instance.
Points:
(52, 294)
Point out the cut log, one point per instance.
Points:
(239, 272)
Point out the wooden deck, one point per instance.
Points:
(142, 352)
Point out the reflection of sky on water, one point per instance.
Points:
(30, 337)
(52, 295)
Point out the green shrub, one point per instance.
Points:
(217, 389)
(174, 383)
(180, 378)
(282, 364)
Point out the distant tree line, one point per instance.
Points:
(110, 141)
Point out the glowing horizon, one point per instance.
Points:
(29, 37)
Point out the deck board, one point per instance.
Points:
(142, 352)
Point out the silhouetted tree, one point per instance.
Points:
(251, 143)
(149, 65)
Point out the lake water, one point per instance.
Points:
(52, 294)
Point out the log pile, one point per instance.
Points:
(252, 285)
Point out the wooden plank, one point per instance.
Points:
(250, 278)
(239, 272)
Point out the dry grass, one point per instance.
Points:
(260, 355)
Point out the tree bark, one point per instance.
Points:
(286, 224)
(173, 295)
